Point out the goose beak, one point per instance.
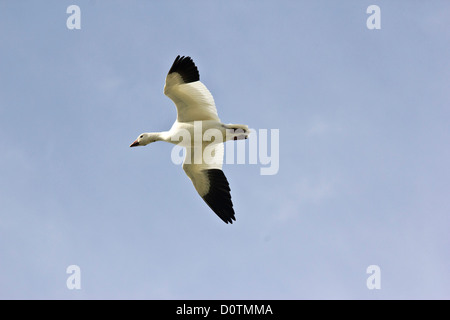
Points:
(134, 144)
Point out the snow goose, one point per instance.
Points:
(196, 109)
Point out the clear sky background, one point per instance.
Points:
(364, 175)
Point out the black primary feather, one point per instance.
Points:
(218, 197)
(186, 68)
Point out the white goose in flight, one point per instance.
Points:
(195, 110)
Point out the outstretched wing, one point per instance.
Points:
(193, 100)
(209, 180)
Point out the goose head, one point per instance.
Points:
(144, 139)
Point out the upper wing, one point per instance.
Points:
(209, 180)
(192, 98)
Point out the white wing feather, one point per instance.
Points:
(196, 168)
(193, 100)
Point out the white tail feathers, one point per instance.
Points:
(237, 131)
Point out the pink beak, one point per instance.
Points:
(134, 144)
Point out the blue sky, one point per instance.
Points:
(364, 179)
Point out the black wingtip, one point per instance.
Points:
(219, 198)
(186, 68)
